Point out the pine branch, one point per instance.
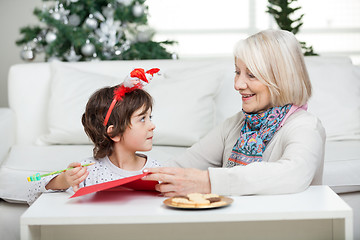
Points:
(29, 34)
(282, 11)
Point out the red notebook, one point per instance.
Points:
(129, 183)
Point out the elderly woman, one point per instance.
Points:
(273, 146)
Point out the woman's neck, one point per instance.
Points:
(127, 160)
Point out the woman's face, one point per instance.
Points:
(256, 96)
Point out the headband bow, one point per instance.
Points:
(137, 79)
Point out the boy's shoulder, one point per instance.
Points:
(93, 160)
(88, 160)
(150, 162)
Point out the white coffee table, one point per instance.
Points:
(317, 213)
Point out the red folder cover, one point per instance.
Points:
(133, 183)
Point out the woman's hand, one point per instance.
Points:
(179, 181)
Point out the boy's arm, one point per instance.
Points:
(62, 181)
(58, 183)
(70, 178)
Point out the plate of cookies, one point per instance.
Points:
(198, 201)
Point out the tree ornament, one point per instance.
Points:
(71, 55)
(55, 14)
(74, 20)
(27, 54)
(35, 44)
(95, 58)
(63, 14)
(32, 44)
(109, 33)
(50, 37)
(60, 13)
(145, 33)
(117, 51)
(99, 16)
(108, 11)
(138, 10)
(54, 59)
(126, 46)
(91, 22)
(125, 2)
(174, 56)
(88, 49)
(130, 32)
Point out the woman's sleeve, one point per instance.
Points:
(206, 153)
(302, 157)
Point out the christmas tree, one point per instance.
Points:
(282, 12)
(86, 30)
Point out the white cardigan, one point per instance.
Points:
(292, 160)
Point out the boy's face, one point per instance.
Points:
(138, 136)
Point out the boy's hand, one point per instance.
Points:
(76, 175)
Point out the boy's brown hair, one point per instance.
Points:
(120, 118)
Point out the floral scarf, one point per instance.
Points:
(256, 133)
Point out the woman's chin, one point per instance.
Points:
(254, 109)
(248, 109)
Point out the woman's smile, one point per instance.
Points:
(247, 97)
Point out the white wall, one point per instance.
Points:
(14, 14)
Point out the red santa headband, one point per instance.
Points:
(136, 80)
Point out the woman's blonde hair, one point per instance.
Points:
(275, 58)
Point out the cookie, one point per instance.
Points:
(218, 204)
(210, 195)
(182, 202)
(197, 200)
(201, 202)
(195, 196)
(214, 199)
(181, 196)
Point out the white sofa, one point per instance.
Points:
(41, 130)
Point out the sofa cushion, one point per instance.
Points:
(184, 105)
(336, 96)
(228, 101)
(184, 109)
(342, 166)
(70, 91)
(7, 126)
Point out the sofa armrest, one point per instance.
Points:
(7, 132)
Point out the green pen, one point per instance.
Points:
(37, 177)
